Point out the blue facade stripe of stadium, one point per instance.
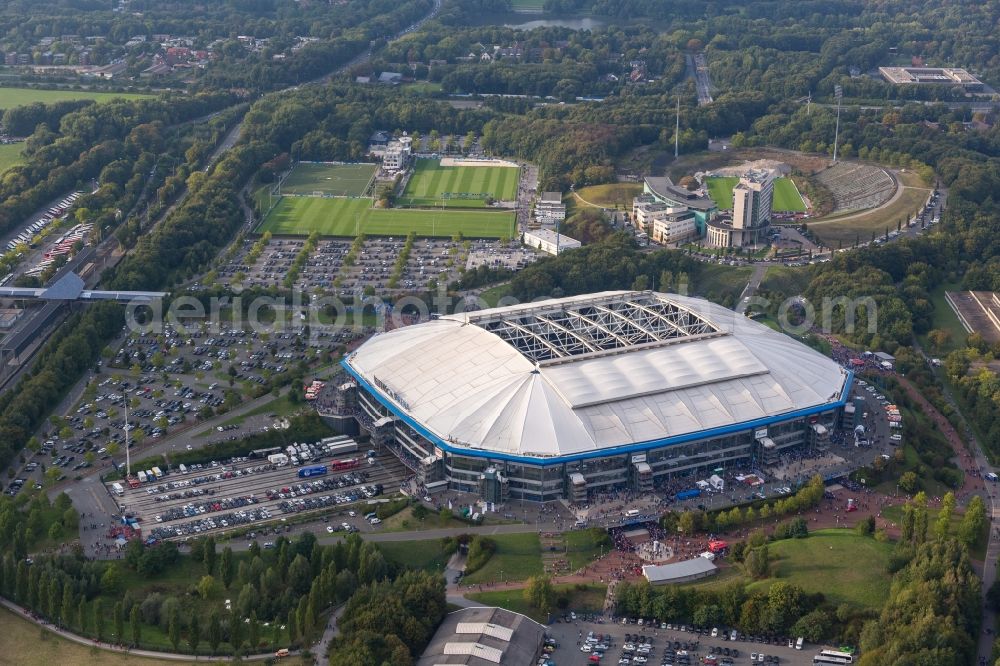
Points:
(602, 453)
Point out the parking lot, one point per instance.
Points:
(663, 644)
(373, 267)
(218, 496)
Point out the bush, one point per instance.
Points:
(480, 551)
(387, 509)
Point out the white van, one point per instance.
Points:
(798, 643)
(632, 513)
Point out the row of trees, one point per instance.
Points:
(692, 522)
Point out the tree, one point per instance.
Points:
(135, 625)
(209, 555)
(970, 530)
(118, 614)
(206, 586)
(253, 631)
(813, 627)
(236, 632)
(66, 612)
(539, 593)
(99, 619)
(757, 562)
(784, 605)
(214, 631)
(866, 526)
(943, 523)
(226, 567)
(194, 633)
(174, 626)
(81, 615)
(687, 524)
(909, 483)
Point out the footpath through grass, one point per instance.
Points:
(24, 644)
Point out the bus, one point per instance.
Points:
(313, 470)
(340, 465)
(833, 657)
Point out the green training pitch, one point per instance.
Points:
(11, 97)
(786, 196)
(341, 180)
(458, 186)
(301, 216)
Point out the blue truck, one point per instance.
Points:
(312, 470)
(687, 494)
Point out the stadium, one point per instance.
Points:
(563, 398)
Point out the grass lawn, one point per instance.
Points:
(493, 295)
(426, 554)
(458, 186)
(518, 557)
(24, 644)
(720, 280)
(11, 97)
(789, 280)
(834, 230)
(583, 547)
(843, 566)
(588, 600)
(786, 195)
(395, 522)
(945, 319)
(344, 180)
(423, 87)
(609, 195)
(10, 155)
(346, 217)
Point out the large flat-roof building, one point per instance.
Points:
(549, 241)
(664, 224)
(567, 397)
(484, 637)
(684, 571)
(663, 190)
(550, 207)
(955, 76)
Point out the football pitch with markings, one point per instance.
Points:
(341, 180)
(348, 217)
(786, 195)
(458, 186)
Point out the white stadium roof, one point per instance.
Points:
(582, 374)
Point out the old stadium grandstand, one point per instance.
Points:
(857, 186)
(566, 397)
